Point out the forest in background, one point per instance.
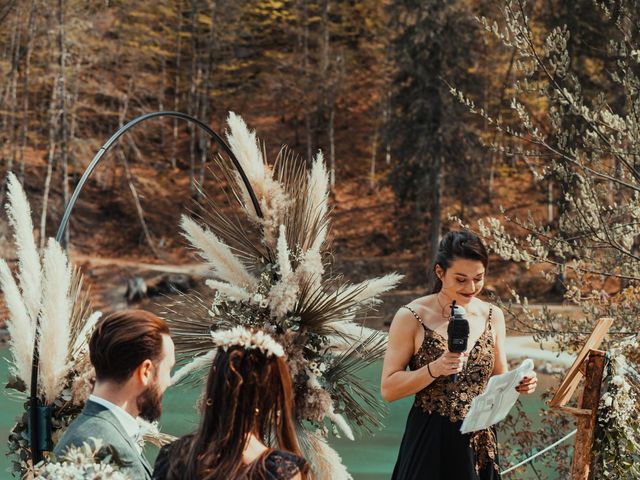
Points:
(368, 82)
(430, 113)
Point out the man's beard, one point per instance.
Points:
(149, 403)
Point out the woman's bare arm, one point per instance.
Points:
(396, 381)
(500, 364)
(528, 383)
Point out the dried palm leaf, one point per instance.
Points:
(360, 405)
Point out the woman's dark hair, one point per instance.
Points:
(457, 244)
(247, 393)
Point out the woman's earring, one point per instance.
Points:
(209, 402)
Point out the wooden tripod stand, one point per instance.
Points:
(588, 364)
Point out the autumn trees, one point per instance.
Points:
(368, 82)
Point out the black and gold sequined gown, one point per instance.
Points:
(432, 447)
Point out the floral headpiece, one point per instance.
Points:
(243, 337)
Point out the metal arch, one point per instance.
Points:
(114, 138)
(35, 404)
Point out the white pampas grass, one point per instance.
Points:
(341, 423)
(284, 294)
(325, 461)
(82, 339)
(244, 145)
(21, 328)
(224, 263)
(55, 321)
(310, 269)
(231, 292)
(317, 195)
(270, 193)
(29, 272)
(198, 363)
(369, 290)
(283, 255)
(347, 334)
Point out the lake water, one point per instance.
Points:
(368, 458)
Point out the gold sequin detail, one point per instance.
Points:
(453, 400)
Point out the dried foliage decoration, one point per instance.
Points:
(271, 277)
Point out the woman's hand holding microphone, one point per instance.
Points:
(448, 363)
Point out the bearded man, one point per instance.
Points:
(133, 354)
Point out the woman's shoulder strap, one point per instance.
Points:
(489, 317)
(415, 314)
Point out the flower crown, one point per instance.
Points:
(243, 337)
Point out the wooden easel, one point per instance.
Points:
(590, 364)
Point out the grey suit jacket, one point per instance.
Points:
(99, 422)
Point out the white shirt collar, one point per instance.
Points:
(128, 422)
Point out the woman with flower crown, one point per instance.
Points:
(432, 446)
(247, 405)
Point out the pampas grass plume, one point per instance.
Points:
(317, 195)
(198, 363)
(371, 289)
(21, 329)
(232, 292)
(325, 461)
(54, 320)
(283, 255)
(29, 272)
(341, 423)
(222, 261)
(347, 334)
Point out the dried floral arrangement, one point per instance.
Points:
(49, 292)
(617, 435)
(81, 463)
(278, 284)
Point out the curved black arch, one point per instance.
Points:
(39, 415)
(116, 136)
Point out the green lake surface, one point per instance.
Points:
(367, 458)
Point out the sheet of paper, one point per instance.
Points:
(497, 400)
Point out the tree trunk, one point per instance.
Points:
(193, 97)
(53, 127)
(205, 94)
(12, 109)
(161, 94)
(374, 154)
(332, 149)
(176, 92)
(73, 121)
(25, 87)
(124, 107)
(550, 202)
(138, 205)
(63, 113)
(305, 66)
(435, 210)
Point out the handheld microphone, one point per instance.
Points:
(457, 332)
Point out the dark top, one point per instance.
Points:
(432, 446)
(280, 464)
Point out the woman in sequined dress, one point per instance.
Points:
(433, 447)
